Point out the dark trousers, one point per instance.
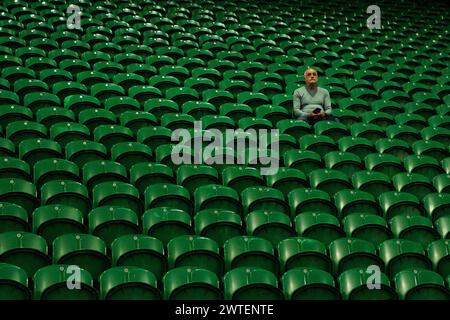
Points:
(311, 120)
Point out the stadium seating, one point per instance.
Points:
(88, 182)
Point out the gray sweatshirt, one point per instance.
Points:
(305, 103)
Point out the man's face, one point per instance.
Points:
(311, 77)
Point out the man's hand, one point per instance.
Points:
(321, 114)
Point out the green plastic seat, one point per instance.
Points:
(218, 224)
(119, 105)
(131, 153)
(356, 201)
(248, 251)
(270, 225)
(402, 254)
(13, 283)
(319, 226)
(416, 121)
(128, 283)
(332, 129)
(415, 183)
(141, 251)
(330, 181)
(33, 150)
(357, 145)
(84, 250)
(349, 253)
(436, 205)
(419, 284)
(287, 179)
(13, 113)
(52, 283)
(166, 223)
(438, 251)
(168, 195)
(189, 250)
(372, 182)
(354, 284)
(214, 196)
(14, 168)
(317, 143)
(117, 193)
(395, 147)
(294, 128)
(26, 250)
(442, 182)
(65, 132)
(78, 102)
(66, 192)
(305, 200)
(13, 218)
(49, 116)
(110, 222)
(191, 283)
(109, 135)
(19, 131)
(345, 162)
(81, 152)
(388, 164)
(370, 131)
(297, 252)
(415, 228)
(52, 221)
(308, 283)
(263, 198)
(247, 283)
(439, 134)
(19, 192)
(395, 203)
(240, 178)
(424, 165)
(198, 109)
(194, 176)
(158, 106)
(99, 171)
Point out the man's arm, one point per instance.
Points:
(327, 103)
(297, 104)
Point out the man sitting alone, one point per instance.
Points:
(312, 103)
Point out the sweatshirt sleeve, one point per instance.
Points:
(327, 103)
(297, 104)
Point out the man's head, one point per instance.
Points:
(311, 77)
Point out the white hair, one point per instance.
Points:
(304, 74)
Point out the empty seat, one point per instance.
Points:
(416, 228)
(251, 283)
(128, 283)
(166, 223)
(84, 250)
(420, 284)
(356, 284)
(191, 283)
(52, 221)
(28, 251)
(250, 251)
(270, 225)
(141, 251)
(13, 283)
(401, 254)
(13, 218)
(298, 252)
(116, 193)
(189, 250)
(56, 282)
(111, 222)
(66, 192)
